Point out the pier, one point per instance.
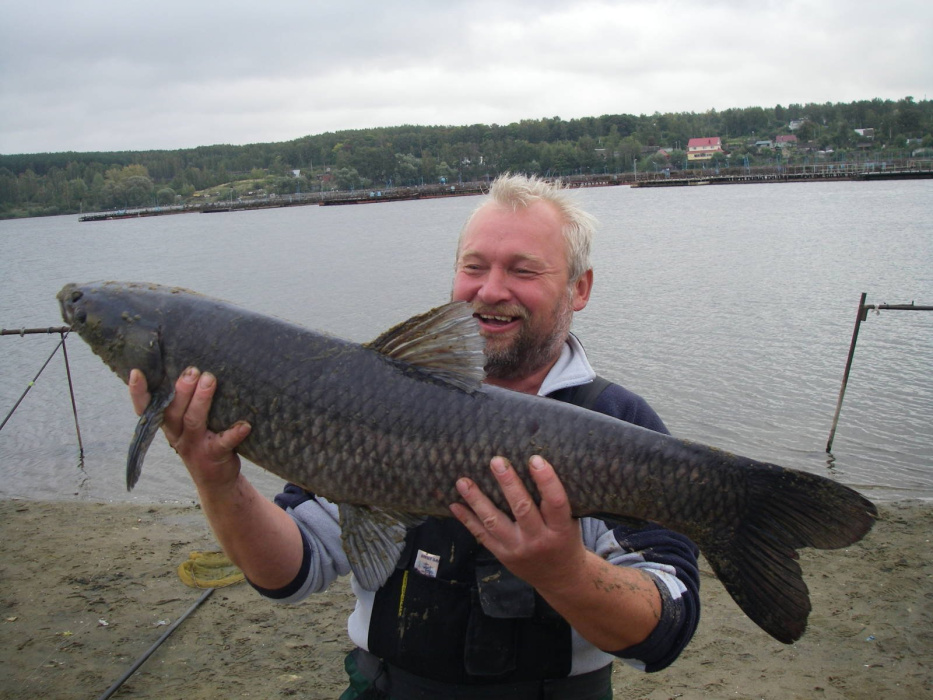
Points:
(399, 194)
(907, 170)
(867, 171)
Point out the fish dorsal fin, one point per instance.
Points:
(445, 342)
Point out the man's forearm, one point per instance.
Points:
(612, 607)
(257, 535)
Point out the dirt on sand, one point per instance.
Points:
(87, 588)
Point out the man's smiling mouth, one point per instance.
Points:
(495, 320)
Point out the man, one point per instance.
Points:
(529, 603)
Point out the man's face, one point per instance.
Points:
(512, 267)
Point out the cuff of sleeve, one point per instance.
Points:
(663, 645)
(291, 588)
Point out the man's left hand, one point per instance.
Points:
(541, 544)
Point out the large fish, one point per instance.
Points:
(385, 429)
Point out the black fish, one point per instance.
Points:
(385, 429)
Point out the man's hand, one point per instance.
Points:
(614, 607)
(542, 545)
(260, 538)
(209, 457)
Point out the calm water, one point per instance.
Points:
(729, 308)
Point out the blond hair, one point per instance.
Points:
(514, 191)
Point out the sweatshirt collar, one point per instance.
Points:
(571, 369)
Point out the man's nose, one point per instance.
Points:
(495, 288)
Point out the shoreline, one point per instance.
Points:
(913, 170)
(89, 587)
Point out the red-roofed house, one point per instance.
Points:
(704, 148)
(785, 141)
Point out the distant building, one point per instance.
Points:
(796, 124)
(785, 141)
(866, 133)
(764, 144)
(704, 148)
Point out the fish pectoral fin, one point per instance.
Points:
(373, 540)
(149, 423)
(444, 342)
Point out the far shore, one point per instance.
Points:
(818, 172)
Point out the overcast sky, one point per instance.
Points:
(106, 75)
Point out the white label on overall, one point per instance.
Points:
(427, 564)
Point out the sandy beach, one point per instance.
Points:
(87, 588)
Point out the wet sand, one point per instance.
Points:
(87, 588)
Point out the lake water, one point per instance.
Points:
(730, 308)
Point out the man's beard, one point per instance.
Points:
(533, 348)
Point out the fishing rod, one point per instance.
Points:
(29, 331)
(63, 331)
(165, 635)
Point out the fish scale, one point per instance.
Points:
(385, 430)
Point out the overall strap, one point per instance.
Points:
(583, 395)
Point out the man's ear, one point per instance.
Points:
(581, 290)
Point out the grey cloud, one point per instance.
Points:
(108, 74)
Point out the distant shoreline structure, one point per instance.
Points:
(900, 170)
(909, 170)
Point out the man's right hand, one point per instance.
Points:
(260, 538)
(209, 457)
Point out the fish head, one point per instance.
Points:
(121, 325)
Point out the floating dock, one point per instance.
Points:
(916, 170)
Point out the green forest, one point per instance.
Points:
(43, 184)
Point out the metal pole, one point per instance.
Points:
(28, 331)
(142, 659)
(899, 307)
(32, 383)
(860, 316)
(74, 406)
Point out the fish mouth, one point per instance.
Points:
(68, 298)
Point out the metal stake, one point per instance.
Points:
(860, 316)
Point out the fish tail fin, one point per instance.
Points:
(149, 423)
(756, 559)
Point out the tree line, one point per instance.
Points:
(60, 183)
